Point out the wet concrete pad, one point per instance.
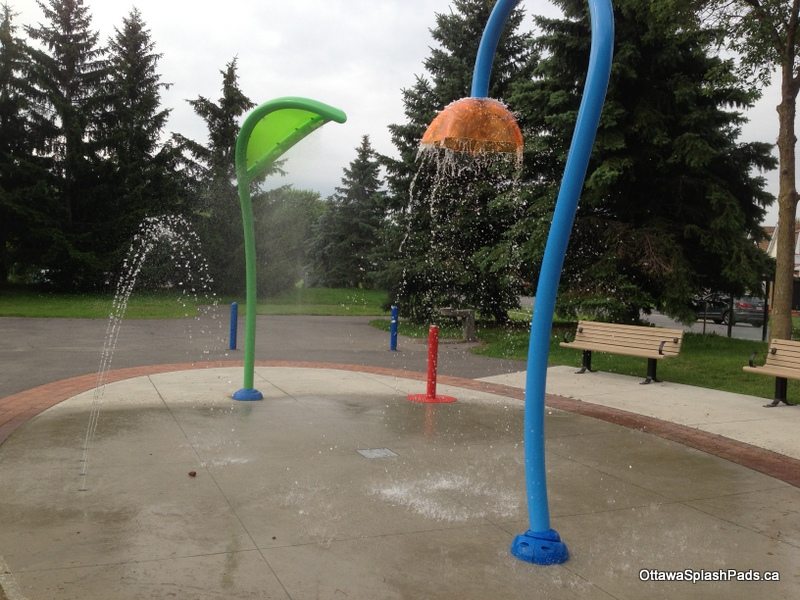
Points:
(140, 513)
(774, 513)
(235, 576)
(661, 466)
(327, 498)
(469, 563)
(611, 548)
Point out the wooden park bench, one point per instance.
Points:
(783, 363)
(652, 343)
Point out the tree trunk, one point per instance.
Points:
(787, 207)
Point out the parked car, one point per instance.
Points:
(746, 309)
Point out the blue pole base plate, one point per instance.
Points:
(247, 394)
(540, 547)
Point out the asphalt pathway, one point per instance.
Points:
(38, 351)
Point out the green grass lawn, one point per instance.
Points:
(709, 361)
(310, 301)
(25, 303)
(325, 301)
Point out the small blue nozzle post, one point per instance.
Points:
(234, 326)
(393, 329)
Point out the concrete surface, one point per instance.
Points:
(734, 416)
(283, 506)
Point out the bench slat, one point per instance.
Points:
(638, 329)
(773, 371)
(628, 330)
(627, 335)
(783, 347)
(782, 362)
(773, 352)
(782, 352)
(615, 350)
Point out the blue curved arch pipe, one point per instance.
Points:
(541, 544)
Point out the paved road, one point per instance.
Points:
(38, 351)
(742, 332)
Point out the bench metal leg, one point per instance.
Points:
(586, 363)
(651, 372)
(781, 383)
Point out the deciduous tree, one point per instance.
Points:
(766, 35)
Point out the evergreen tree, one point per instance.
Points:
(23, 175)
(284, 220)
(68, 73)
(348, 239)
(465, 220)
(211, 165)
(139, 175)
(670, 205)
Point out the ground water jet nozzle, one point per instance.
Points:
(267, 132)
(476, 125)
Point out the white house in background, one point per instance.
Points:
(772, 234)
(770, 248)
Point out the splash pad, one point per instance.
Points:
(478, 125)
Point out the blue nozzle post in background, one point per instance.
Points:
(393, 329)
(234, 326)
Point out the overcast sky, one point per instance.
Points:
(354, 54)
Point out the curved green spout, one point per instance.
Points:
(267, 132)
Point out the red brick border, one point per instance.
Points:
(19, 408)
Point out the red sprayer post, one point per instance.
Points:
(433, 360)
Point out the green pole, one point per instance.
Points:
(267, 132)
(250, 276)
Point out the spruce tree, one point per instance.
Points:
(347, 244)
(670, 205)
(139, 173)
(211, 166)
(23, 175)
(464, 220)
(68, 72)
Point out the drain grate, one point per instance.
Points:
(376, 453)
